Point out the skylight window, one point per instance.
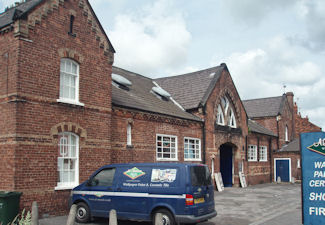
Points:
(120, 82)
(161, 92)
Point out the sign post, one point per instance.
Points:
(313, 177)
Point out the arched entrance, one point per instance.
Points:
(226, 164)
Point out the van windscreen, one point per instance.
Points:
(200, 176)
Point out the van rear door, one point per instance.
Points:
(202, 190)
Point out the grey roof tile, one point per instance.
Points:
(258, 128)
(139, 96)
(8, 17)
(193, 88)
(264, 107)
(293, 146)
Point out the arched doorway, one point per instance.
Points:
(226, 164)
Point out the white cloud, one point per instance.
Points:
(152, 39)
(316, 116)
(313, 11)
(263, 72)
(95, 3)
(253, 11)
(7, 3)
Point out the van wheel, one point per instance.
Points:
(83, 213)
(167, 218)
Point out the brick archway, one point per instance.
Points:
(68, 127)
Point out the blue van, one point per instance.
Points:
(182, 193)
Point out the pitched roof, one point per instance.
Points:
(139, 96)
(12, 14)
(293, 146)
(264, 107)
(192, 89)
(9, 16)
(258, 128)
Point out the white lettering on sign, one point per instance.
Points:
(321, 142)
(318, 174)
(316, 196)
(317, 211)
(319, 165)
(136, 184)
(317, 183)
(155, 185)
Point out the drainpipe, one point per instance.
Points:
(204, 136)
(6, 55)
(246, 159)
(258, 149)
(277, 127)
(270, 158)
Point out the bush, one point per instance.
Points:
(22, 219)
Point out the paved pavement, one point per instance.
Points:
(265, 204)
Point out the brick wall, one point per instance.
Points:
(278, 124)
(216, 137)
(145, 127)
(260, 171)
(303, 125)
(35, 117)
(8, 86)
(294, 156)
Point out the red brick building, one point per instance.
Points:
(280, 115)
(66, 110)
(55, 95)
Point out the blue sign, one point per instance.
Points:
(313, 177)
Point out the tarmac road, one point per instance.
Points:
(265, 204)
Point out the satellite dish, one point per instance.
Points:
(121, 80)
(161, 92)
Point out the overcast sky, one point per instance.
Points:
(266, 44)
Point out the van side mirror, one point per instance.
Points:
(92, 182)
(88, 182)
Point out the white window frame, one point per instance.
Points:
(290, 175)
(263, 154)
(71, 75)
(286, 135)
(129, 135)
(220, 116)
(225, 104)
(197, 149)
(252, 153)
(161, 158)
(231, 119)
(61, 151)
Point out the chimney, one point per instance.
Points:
(290, 98)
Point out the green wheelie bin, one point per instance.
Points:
(9, 206)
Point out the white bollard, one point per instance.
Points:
(278, 180)
(34, 213)
(72, 215)
(112, 217)
(158, 219)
